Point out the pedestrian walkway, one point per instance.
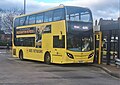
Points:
(111, 69)
(4, 47)
(4, 51)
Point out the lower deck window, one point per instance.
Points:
(57, 43)
(29, 41)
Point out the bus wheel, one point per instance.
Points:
(47, 58)
(21, 55)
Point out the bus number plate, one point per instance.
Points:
(81, 61)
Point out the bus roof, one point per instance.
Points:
(61, 6)
(41, 11)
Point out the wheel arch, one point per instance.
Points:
(20, 51)
(45, 54)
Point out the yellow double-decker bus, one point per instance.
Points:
(61, 35)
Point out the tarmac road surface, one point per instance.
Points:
(16, 72)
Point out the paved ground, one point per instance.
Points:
(111, 69)
(16, 72)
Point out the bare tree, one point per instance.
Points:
(8, 16)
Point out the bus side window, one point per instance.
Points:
(58, 14)
(26, 20)
(22, 21)
(39, 18)
(25, 42)
(48, 16)
(32, 19)
(16, 22)
(58, 43)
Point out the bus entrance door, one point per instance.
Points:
(98, 45)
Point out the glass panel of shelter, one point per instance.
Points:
(114, 45)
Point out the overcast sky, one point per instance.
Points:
(100, 8)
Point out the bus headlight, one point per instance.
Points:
(91, 55)
(70, 55)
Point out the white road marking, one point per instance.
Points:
(2, 52)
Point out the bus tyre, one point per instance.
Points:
(21, 55)
(47, 58)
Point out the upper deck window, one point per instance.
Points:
(26, 20)
(85, 17)
(16, 22)
(78, 14)
(58, 14)
(22, 21)
(32, 19)
(39, 18)
(48, 16)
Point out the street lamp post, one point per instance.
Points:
(119, 8)
(24, 6)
